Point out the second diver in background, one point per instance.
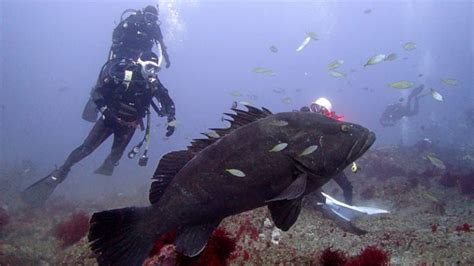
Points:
(394, 112)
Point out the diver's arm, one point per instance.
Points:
(158, 36)
(161, 94)
(346, 186)
(167, 104)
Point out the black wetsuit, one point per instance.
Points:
(127, 100)
(397, 111)
(135, 35)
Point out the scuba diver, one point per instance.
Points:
(339, 212)
(138, 33)
(134, 35)
(397, 111)
(124, 93)
(323, 106)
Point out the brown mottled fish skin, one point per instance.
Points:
(204, 192)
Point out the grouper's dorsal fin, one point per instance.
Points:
(168, 167)
(240, 118)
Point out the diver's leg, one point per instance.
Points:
(412, 110)
(36, 194)
(98, 134)
(122, 136)
(346, 186)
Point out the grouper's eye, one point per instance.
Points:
(345, 128)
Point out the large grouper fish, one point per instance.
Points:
(262, 159)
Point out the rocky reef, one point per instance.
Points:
(430, 222)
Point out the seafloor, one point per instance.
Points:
(430, 220)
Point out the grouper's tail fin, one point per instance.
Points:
(121, 236)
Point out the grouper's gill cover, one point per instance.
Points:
(194, 189)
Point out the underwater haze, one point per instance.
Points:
(249, 52)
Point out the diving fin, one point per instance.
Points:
(348, 212)
(37, 194)
(90, 112)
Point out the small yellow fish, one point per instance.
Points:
(436, 162)
(173, 123)
(279, 147)
(245, 103)
(273, 49)
(309, 150)
(430, 196)
(262, 70)
(354, 168)
(436, 95)
(391, 57)
(278, 123)
(409, 46)
(236, 93)
(312, 35)
(212, 134)
(236, 172)
(468, 158)
(375, 60)
(401, 84)
(286, 100)
(259, 70)
(337, 74)
(279, 90)
(335, 64)
(309, 36)
(449, 81)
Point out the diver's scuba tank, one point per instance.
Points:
(143, 160)
(90, 112)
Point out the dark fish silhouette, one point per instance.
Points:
(214, 178)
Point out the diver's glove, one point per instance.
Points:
(168, 64)
(170, 129)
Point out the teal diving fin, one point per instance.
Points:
(348, 212)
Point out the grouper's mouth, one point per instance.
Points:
(361, 146)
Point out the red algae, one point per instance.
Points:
(165, 239)
(73, 229)
(370, 256)
(217, 251)
(4, 218)
(434, 228)
(330, 257)
(464, 227)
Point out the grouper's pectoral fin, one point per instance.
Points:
(285, 213)
(286, 207)
(294, 191)
(191, 240)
